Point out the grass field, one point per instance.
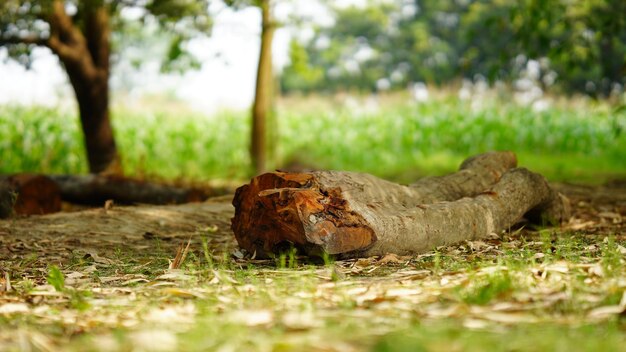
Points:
(582, 142)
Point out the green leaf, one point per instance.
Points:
(56, 278)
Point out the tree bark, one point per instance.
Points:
(92, 95)
(84, 51)
(85, 54)
(96, 189)
(356, 214)
(263, 93)
(28, 194)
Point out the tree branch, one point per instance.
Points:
(32, 39)
(68, 42)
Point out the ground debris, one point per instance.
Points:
(119, 294)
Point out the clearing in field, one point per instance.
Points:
(173, 278)
(287, 175)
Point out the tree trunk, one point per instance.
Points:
(263, 94)
(92, 95)
(358, 214)
(86, 57)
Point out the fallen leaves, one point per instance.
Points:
(564, 279)
(252, 317)
(13, 308)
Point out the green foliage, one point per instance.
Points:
(402, 141)
(56, 278)
(40, 139)
(77, 298)
(485, 289)
(581, 43)
(287, 258)
(453, 336)
(208, 256)
(179, 21)
(611, 257)
(300, 75)
(178, 58)
(584, 40)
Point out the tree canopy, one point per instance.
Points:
(79, 33)
(27, 23)
(390, 44)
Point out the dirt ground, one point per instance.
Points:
(57, 239)
(561, 286)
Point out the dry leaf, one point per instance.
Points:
(476, 324)
(133, 281)
(252, 317)
(178, 292)
(605, 312)
(392, 258)
(154, 340)
(509, 318)
(175, 275)
(98, 259)
(108, 205)
(172, 314)
(300, 320)
(401, 292)
(596, 270)
(12, 308)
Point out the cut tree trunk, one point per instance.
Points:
(355, 214)
(27, 194)
(96, 189)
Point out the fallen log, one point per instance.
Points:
(356, 214)
(96, 189)
(28, 194)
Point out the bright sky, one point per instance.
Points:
(227, 82)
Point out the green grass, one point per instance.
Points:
(403, 141)
(484, 290)
(465, 302)
(455, 337)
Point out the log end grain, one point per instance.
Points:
(29, 194)
(278, 209)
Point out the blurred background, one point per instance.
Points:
(223, 90)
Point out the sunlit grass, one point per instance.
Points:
(402, 141)
(212, 303)
(455, 337)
